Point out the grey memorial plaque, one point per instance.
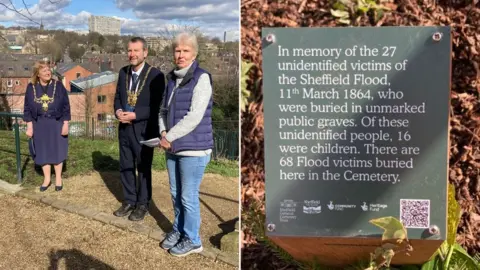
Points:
(356, 128)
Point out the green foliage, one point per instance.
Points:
(285, 256)
(409, 267)
(360, 265)
(393, 228)
(245, 93)
(75, 52)
(451, 255)
(453, 215)
(85, 156)
(393, 236)
(254, 219)
(217, 114)
(347, 10)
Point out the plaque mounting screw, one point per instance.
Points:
(437, 36)
(270, 38)
(434, 230)
(271, 227)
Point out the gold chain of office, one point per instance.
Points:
(133, 95)
(45, 99)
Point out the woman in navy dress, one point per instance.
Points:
(47, 113)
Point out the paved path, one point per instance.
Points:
(35, 235)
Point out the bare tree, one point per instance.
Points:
(9, 5)
(52, 49)
(169, 32)
(31, 37)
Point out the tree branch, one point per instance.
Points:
(26, 8)
(14, 9)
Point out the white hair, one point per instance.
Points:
(188, 39)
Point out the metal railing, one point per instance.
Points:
(12, 120)
(225, 134)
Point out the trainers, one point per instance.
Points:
(170, 240)
(185, 247)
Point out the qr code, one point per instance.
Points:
(415, 213)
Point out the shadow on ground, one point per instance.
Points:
(108, 168)
(226, 227)
(75, 259)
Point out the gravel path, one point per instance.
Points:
(36, 236)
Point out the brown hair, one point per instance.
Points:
(36, 69)
(139, 39)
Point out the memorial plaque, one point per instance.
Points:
(356, 128)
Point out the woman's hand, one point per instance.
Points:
(65, 129)
(29, 132)
(165, 144)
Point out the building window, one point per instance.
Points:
(101, 99)
(78, 75)
(9, 83)
(17, 82)
(101, 117)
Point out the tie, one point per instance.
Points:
(134, 82)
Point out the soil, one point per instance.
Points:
(464, 164)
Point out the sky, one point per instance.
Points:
(139, 17)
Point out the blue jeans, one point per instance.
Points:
(185, 174)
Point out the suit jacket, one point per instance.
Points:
(148, 102)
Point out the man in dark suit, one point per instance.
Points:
(137, 101)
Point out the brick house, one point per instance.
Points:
(99, 92)
(15, 76)
(71, 71)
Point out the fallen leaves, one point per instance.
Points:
(464, 169)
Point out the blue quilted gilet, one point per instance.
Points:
(201, 138)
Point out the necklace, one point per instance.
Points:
(132, 96)
(45, 99)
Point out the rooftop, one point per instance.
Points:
(16, 69)
(64, 67)
(95, 80)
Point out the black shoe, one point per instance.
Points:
(124, 210)
(43, 188)
(58, 188)
(139, 213)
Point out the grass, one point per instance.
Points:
(84, 156)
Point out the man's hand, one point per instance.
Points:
(118, 113)
(127, 117)
(130, 116)
(165, 144)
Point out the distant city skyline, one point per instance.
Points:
(144, 18)
(104, 25)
